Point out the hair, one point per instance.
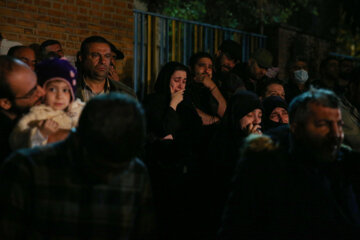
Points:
(49, 42)
(163, 80)
(14, 49)
(84, 48)
(195, 58)
(291, 63)
(46, 43)
(299, 106)
(112, 126)
(7, 66)
(263, 85)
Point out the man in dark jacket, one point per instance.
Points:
(307, 191)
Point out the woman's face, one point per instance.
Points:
(178, 81)
(279, 114)
(251, 119)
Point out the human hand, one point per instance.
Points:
(176, 97)
(253, 128)
(48, 127)
(113, 74)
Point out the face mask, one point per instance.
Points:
(301, 76)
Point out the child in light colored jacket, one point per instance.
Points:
(59, 112)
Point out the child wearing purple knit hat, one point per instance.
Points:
(59, 112)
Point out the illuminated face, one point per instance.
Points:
(253, 118)
(27, 55)
(26, 91)
(97, 63)
(279, 115)
(204, 66)
(275, 90)
(55, 48)
(57, 95)
(322, 131)
(178, 80)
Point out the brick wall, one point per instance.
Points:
(70, 22)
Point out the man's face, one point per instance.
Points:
(226, 64)
(204, 66)
(322, 131)
(55, 48)
(26, 91)
(97, 62)
(256, 71)
(275, 90)
(26, 55)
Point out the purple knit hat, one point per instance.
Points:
(57, 69)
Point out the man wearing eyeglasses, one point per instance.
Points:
(18, 92)
(95, 59)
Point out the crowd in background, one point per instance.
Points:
(229, 151)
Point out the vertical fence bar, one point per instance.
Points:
(136, 67)
(179, 42)
(173, 40)
(185, 45)
(206, 43)
(161, 54)
(167, 45)
(243, 48)
(149, 52)
(201, 39)
(142, 55)
(195, 38)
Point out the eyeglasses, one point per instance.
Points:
(30, 94)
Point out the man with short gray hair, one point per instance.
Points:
(309, 190)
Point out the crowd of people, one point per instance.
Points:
(221, 149)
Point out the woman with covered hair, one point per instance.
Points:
(171, 123)
(163, 107)
(242, 117)
(275, 112)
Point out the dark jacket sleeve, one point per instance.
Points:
(162, 120)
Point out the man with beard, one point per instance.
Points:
(95, 57)
(18, 92)
(307, 191)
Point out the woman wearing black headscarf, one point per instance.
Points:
(275, 113)
(171, 123)
(242, 117)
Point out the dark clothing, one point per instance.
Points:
(6, 127)
(168, 160)
(243, 72)
(60, 192)
(292, 90)
(203, 99)
(282, 195)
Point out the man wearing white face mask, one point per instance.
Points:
(298, 79)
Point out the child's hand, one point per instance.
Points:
(48, 127)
